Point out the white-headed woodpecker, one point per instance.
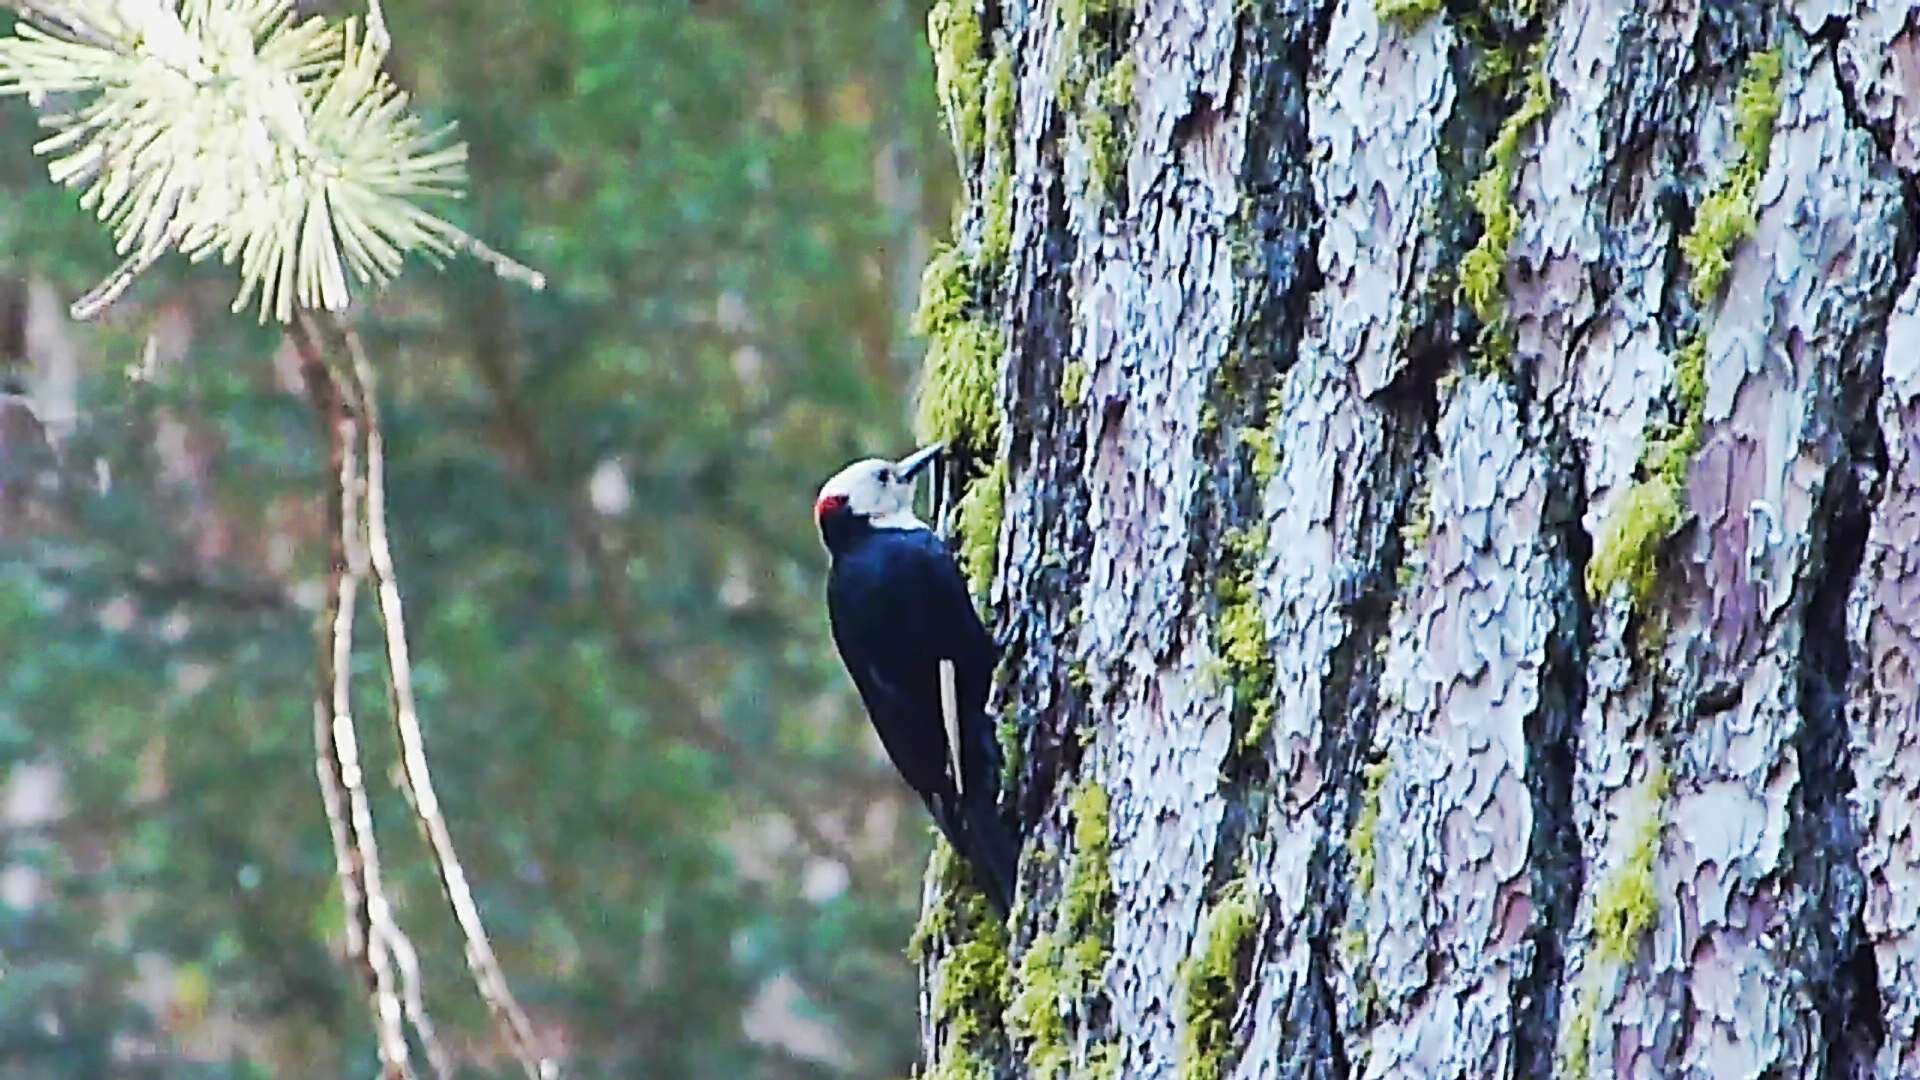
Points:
(909, 635)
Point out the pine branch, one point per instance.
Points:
(56, 18)
(510, 1020)
(235, 129)
(413, 997)
(337, 753)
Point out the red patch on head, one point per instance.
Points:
(828, 504)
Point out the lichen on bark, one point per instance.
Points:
(1483, 269)
(1061, 969)
(1211, 982)
(1726, 215)
(962, 945)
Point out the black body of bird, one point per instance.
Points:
(900, 610)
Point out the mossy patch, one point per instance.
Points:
(1625, 910)
(961, 1065)
(1653, 509)
(1727, 215)
(1360, 840)
(1495, 65)
(996, 227)
(1240, 632)
(1628, 906)
(1668, 457)
(1087, 904)
(1104, 1061)
(1091, 25)
(1035, 1018)
(972, 981)
(1353, 946)
(1579, 1038)
(959, 70)
(1483, 269)
(1062, 969)
(1414, 534)
(1073, 383)
(998, 117)
(1645, 515)
(1407, 14)
(957, 401)
(1100, 126)
(946, 291)
(1264, 445)
(1012, 751)
(1100, 100)
(977, 526)
(1211, 981)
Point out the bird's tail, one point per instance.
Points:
(991, 847)
(972, 824)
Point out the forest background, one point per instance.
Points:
(690, 855)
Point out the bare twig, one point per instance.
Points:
(412, 996)
(515, 1029)
(101, 296)
(337, 752)
(505, 267)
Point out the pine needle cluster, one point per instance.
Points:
(236, 129)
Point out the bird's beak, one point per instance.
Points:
(909, 467)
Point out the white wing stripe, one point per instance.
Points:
(950, 712)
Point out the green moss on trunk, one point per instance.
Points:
(1240, 632)
(953, 29)
(1726, 215)
(1625, 910)
(1407, 14)
(978, 526)
(1360, 841)
(958, 402)
(1211, 982)
(1073, 383)
(1061, 970)
(972, 980)
(1627, 906)
(1629, 549)
(1483, 269)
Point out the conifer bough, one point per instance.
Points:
(232, 128)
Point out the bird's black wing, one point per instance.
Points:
(957, 635)
(899, 608)
(878, 598)
(977, 830)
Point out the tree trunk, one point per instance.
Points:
(1450, 504)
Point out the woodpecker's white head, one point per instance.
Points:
(873, 494)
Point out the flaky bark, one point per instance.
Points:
(1462, 508)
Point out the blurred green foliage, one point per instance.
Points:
(691, 857)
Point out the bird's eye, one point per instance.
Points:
(886, 476)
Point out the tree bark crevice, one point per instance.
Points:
(1823, 837)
